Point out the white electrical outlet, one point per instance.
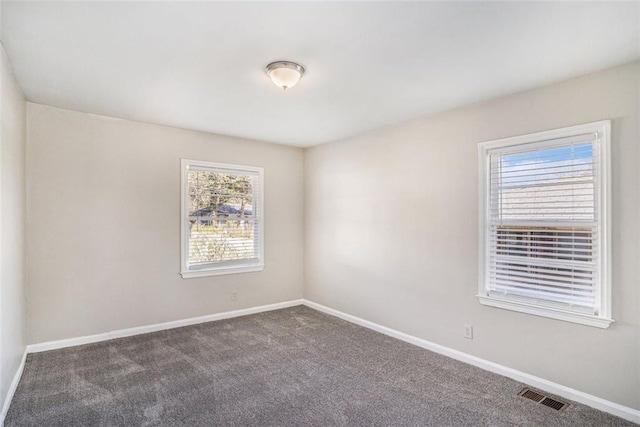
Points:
(468, 331)
(234, 296)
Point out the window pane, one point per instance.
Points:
(552, 184)
(542, 224)
(546, 263)
(222, 221)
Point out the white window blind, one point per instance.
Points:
(543, 236)
(222, 218)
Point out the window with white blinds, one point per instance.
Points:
(544, 230)
(222, 221)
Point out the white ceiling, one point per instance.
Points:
(200, 65)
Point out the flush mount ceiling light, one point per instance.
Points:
(284, 74)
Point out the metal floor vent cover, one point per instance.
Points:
(544, 400)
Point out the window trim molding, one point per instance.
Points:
(603, 318)
(184, 241)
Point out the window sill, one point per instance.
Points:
(523, 307)
(220, 271)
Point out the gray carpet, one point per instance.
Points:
(291, 367)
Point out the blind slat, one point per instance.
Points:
(578, 278)
(551, 284)
(545, 294)
(537, 248)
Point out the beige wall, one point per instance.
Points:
(391, 233)
(12, 224)
(103, 220)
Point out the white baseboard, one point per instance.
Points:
(121, 333)
(12, 388)
(613, 408)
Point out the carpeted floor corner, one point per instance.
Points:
(290, 367)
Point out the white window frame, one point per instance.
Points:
(258, 209)
(603, 287)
